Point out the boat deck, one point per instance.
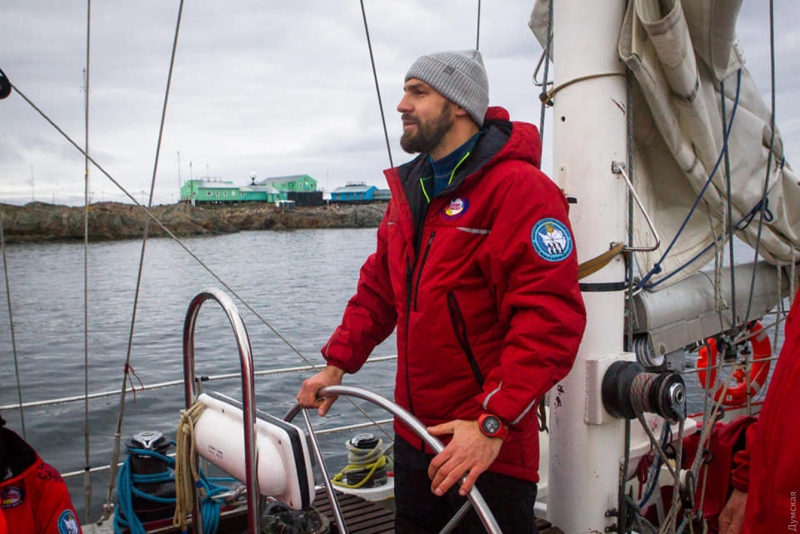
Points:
(364, 517)
(361, 516)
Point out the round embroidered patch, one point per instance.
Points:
(12, 496)
(455, 209)
(551, 239)
(67, 524)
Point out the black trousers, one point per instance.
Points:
(419, 511)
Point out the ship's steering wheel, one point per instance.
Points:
(475, 498)
(249, 418)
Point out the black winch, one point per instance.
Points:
(628, 391)
(139, 447)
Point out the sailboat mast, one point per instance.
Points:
(589, 130)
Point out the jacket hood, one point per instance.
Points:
(523, 141)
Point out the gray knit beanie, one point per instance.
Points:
(458, 76)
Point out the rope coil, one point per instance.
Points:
(127, 490)
(363, 463)
(187, 474)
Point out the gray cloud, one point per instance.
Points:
(271, 87)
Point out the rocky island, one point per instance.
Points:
(41, 222)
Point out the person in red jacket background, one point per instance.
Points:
(476, 268)
(766, 475)
(34, 497)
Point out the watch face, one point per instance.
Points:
(491, 425)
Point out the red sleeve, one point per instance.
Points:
(537, 296)
(54, 511)
(370, 315)
(740, 475)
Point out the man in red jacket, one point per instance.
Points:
(766, 475)
(476, 268)
(33, 494)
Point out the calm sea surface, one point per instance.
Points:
(297, 281)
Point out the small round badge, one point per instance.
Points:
(551, 239)
(455, 209)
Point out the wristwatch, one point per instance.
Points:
(492, 426)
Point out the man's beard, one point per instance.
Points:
(428, 135)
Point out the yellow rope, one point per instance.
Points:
(595, 264)
(186, 472)
(338, 479)
(369, 460)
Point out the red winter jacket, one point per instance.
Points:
(769, 468)
(34, 499)
(482, 287)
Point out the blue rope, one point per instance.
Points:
(747, 219)
(657, 267)
(126, 490)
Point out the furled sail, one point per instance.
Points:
(683, 58)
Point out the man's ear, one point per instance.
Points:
(461, 112)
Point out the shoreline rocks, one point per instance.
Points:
(38, 222)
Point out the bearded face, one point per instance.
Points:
(427, 133)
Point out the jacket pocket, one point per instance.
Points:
(460, 329)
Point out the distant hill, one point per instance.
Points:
(40, 222)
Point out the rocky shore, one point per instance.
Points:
(40, 222)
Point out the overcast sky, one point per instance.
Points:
(271, 87)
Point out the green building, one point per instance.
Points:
(299, 183)
(218, 192)
(214, 191)
(260, 193)
(210, 191)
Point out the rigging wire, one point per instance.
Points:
(87, 478)
(770, 154)
(546, 59)
(11, 323)
(657, 267)
(174, 383)
(723, 99)
(743, 223)
(478, 30)
(118, 431)
(764, 199)
(377, 87)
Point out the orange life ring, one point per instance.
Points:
(736, 393)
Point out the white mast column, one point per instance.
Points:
(589, 126)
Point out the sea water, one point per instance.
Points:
(298, 282)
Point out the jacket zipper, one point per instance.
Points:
(460, 328)
(409, 280)
(421, 267)
(411, 297)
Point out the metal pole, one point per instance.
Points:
(248, 395)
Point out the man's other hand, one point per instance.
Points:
(731, 519)
(469, 453)
(308, 396)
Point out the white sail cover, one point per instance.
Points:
(682, 56)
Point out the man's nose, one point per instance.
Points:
(403, 106)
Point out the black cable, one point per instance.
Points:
(377, 87)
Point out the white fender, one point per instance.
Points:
(283, 463)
